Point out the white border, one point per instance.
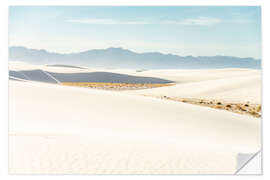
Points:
(4, 75)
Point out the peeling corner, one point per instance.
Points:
(249, 163)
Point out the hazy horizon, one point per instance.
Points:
(124, 58)
(125, 49)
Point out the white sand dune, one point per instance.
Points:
(192, 75)
(232, 89)
(51, 75)
(177, 75)
(22, 66)
(57, 129)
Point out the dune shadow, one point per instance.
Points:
(66, 66)
(33, 75)
(107, 77)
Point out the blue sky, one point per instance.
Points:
(197, 31)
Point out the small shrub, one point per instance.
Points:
(242, 109)
(238, 107)
(259, 108)
(254, 113)
(228, 106)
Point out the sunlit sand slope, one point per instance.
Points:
(59, 129)
(241, 88)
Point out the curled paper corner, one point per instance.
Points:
(249, 163)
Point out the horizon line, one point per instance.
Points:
(145, 52)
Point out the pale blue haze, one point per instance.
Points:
(196, 31)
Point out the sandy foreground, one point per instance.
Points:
(55, 129)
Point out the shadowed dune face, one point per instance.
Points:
(18, 74)
(89, 77)
(33, 75)
(65, 66)
(107, 77)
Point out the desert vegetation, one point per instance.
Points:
(116, 86)
(236, 107)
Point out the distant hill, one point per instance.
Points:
(123, 58)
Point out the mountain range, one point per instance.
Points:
(123, 58)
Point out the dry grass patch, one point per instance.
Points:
(115, 86)
(240, 108)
